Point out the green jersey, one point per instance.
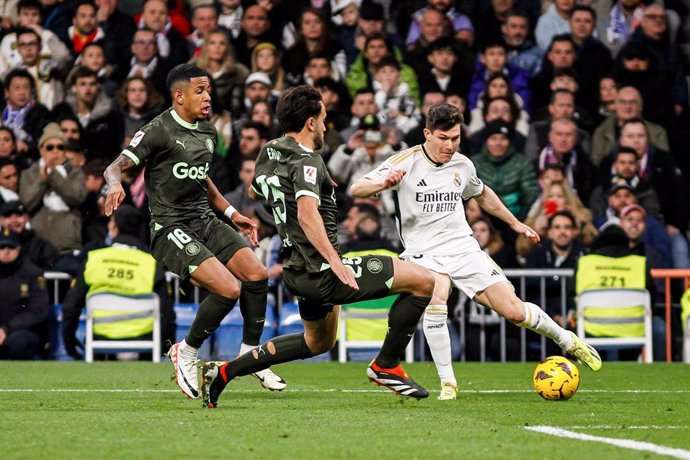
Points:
(285, 171)
(177, 155)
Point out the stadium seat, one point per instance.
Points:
(616, 318)
(118, 305)
(184, 314)
(290, 322)
(362, 327)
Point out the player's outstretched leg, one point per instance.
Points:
(501, 297)
(217, 374)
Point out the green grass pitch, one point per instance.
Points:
(330, 410)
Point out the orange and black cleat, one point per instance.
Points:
(397, 380)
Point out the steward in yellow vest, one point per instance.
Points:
(125, 267)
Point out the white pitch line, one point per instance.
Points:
(624, 443)
(313, 390)
(628, 427)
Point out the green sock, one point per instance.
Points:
(402, 323)
(211, 312)
(253, 306)
(278, 350)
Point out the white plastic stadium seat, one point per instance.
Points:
(362, 326)
(140, 307)
(595, 309)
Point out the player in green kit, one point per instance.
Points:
(292, 177)
(186, 236)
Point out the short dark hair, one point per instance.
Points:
(368, 210)
(19, 73)
(586, 8)
(129, 220)
(184, 72)
(552, 99)
(327, 83)
(443, 117)
(7, 162)
(561, 38)
(10, 132)
(516, 13)
(563, 213)
(78, 72)
(95, 167)
(29, 5)
(25, 30)
(260, 128)
(635, 120)
(495, 43)
(623, 151)
(296, 106)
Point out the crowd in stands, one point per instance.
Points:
(576, 111)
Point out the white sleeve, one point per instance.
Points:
(474, 185)
(382, 171)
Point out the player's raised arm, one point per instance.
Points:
(381, 178)
(491, 203)
(113, 177)
(220, 204)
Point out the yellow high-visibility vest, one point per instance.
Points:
(124, 271)
(600, 272)
(685, 311)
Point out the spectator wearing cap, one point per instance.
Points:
(25, 307)
(52, 191)
(520, 49)
(365, 150)
(592, 56)
(257, 87)
(15, 219)
(97, 113)
(493, 60)
(449, 72)
(146, 276)
(9, 181)
(624, 169)
(345, 15)
(376, 48)
(461, 24)
(506, 171)
(628, 105)
(396, 100)
(638, 67)
(563, 149)
(553, 22)
(622, 195)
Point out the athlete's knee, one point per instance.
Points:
(514, 310)
(424, 284)
(258, 273)
(321, 343)
(229, 291)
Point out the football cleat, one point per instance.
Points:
(214, 382)
(185, 372)
(397, 380)
(449, 391)
(270, 380)
(585, 353)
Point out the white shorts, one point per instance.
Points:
(471, 272)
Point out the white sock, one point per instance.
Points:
(437, 336)
(187, 350)
(539, 321)
(245, 348)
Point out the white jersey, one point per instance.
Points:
(429, 210)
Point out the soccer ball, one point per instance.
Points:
(556, 378)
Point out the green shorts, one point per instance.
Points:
(319, 292)
(182, 247)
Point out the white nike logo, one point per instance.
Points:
(181, 143)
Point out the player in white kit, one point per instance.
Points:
(429, 182)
